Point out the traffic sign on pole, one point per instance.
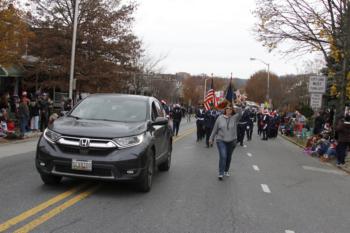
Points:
(317, 84)
(316, 100)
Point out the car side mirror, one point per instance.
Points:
(160, 121)
(63, 113)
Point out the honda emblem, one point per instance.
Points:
(84, 142)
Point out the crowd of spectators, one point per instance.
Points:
(29, 112)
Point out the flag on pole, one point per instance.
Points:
(210, 97)
(229, 93)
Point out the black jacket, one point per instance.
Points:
(177, 114)
(200, 114)
(34, 109)
(343, 131)
(319, 122)
(245, 117)
(210, 117)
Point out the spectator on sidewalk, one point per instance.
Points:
(68, 105)
(343, 131)
(331, 151)
(44, 111)
(319, 122)
(5, 106)
(23, 116)
(3, 123)
(34, 115)
(25, 97)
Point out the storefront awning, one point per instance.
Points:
(11, 71)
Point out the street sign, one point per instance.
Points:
(317, 84)
(316, 101)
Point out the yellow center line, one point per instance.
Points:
(188, 132)
(45, 217)
(23, 216)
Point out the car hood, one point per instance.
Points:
(96, 128)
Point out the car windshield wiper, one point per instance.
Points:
(78, 118)
(106, 120)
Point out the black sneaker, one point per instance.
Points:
(220, 177)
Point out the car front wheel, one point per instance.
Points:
(165, 166)
(145, 183)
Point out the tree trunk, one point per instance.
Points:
(345, 68)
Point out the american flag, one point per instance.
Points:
(210, 97)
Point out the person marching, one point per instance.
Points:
(265, 124)
(209, 121)
(250, 125)
(242, 125)
(177, 116)
(260, 123)
(225, 132)
(200, 113)
(165, 107)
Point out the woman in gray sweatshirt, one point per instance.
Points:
(225, 132)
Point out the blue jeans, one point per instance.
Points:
(225, 153)
(23, 123)
(176, 126)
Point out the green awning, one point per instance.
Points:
(11, 71)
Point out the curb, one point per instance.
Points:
(292, 141)
(17, 141)
(301, 146)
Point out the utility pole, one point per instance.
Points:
(74, 39)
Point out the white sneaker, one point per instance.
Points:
(226, 174)
(220, 177)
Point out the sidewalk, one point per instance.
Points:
(301, 144)
(30, 136)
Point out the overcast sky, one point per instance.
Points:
(206, 36)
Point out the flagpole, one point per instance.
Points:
(205, 85)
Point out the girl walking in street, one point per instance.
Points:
(225, 132)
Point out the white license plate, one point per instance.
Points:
(82, 165)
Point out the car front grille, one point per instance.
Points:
(83, 151)
(99, 147)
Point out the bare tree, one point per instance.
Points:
(313, 26)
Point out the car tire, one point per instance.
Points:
(165, 166)
(50, 179)
(145, 183)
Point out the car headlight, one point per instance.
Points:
(51, 136)
(129, 141)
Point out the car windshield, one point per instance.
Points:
(109, 108)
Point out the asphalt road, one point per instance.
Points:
(273, 187)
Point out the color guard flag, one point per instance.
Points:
(210, 97)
